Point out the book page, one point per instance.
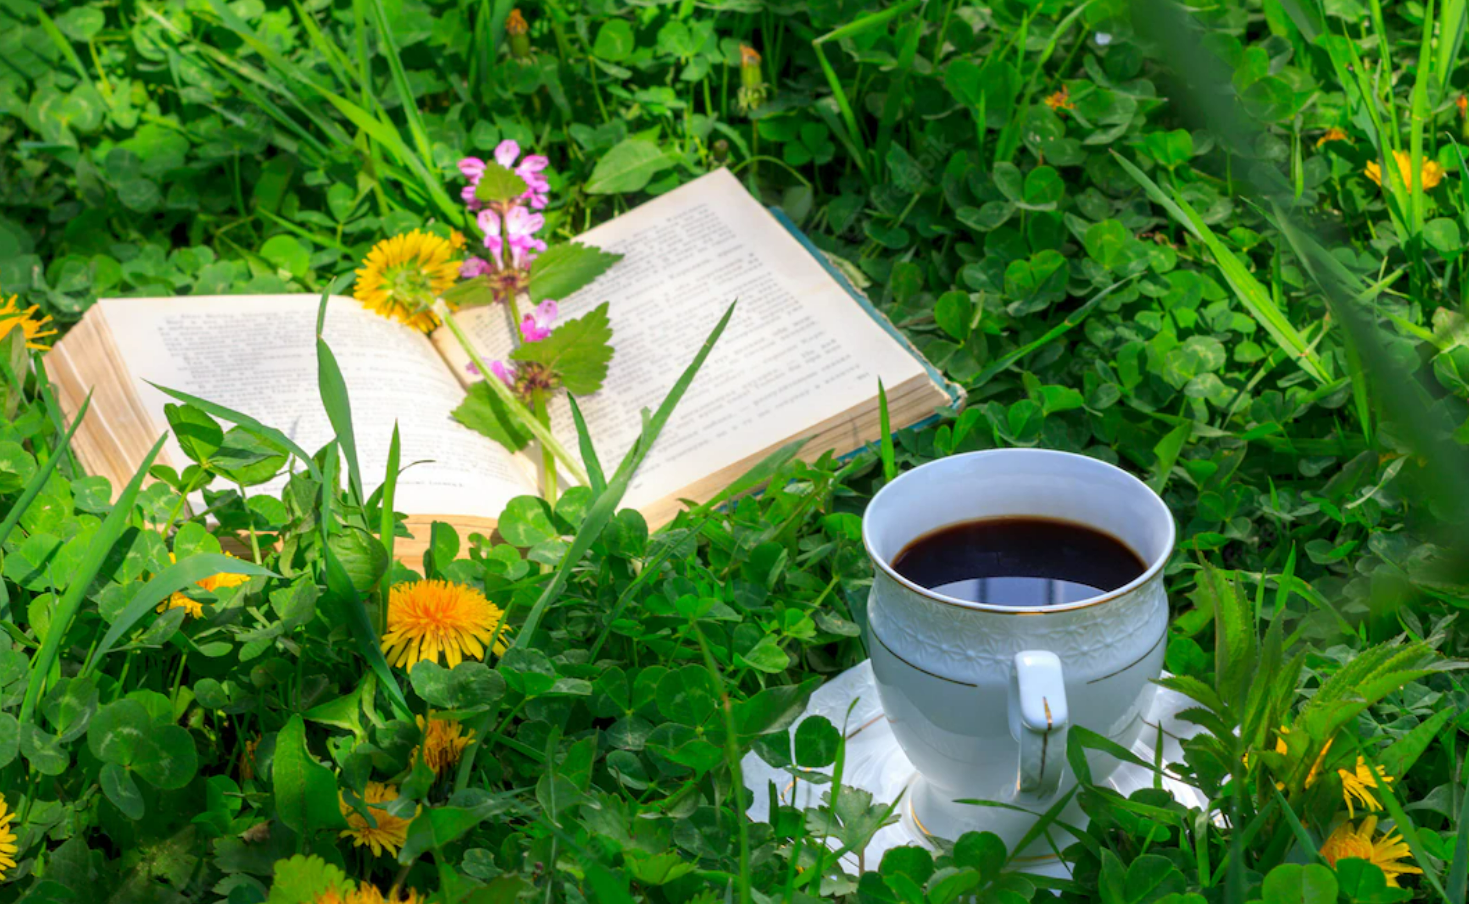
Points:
(797, 352)
(257, 355)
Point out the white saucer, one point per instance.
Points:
(876, 764)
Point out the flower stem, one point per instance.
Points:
(537, 429)
(548, 463)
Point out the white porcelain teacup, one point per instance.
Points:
(981, 696)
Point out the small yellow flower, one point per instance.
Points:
(1357, 785)
(211, 584)
(31, 322)
(1432, 173)
(403, 275)
(1332, 134)
(1356, 842)
(1061, 100)
(457, 241)
(7, 838)
(390, 832)
(1463, 104)
(443, 744)
(429, 618)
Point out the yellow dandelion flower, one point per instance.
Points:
(390, 832)
(1387, 852)
(1332, 134)
(8, 849)
(368, 894)
(429, 618)
(457, 241)
(211, 584)
(31, 322)
(1061, 100)
(443, 744)
(403, 275)
(1432, 173)
(1357, 785)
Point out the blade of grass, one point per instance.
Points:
(596, 479)
(1458, 877)
(388, 526)
(855, 27)
(406, 100)
(43, 473)
(1051, 335)
(1254, 296)
(333, 389)
(163, 585)
(885, 428)
(80, 580)
(605, 506)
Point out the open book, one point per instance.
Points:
(801, 358)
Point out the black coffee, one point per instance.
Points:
(1019, 562)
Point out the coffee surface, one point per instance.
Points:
(1019, 562)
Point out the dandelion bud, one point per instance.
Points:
(753, 89)
(518, 31)
(721, 150)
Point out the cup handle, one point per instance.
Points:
(1038, 720)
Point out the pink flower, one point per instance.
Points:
(536, 184)
(472, 369)
(529, 170)
(489, 224)
(506, 152)
(472, 168)
(537, 324)
(503, 370)
(520, 228)
(474, 266)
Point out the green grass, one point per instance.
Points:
(1118, 228)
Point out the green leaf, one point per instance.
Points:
(288, 254)
(1363, 883)
(117, 783)
(817, 741)
(577, 351)
(498, 184)
(469, 685)
(302, 880)
(436, 827)
(486, 413)
(773, 709)
(199, 435)
(305, 791)
(615, 40)
(1294, 883)
(563, 269)
(629, 166)
(954, 312)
